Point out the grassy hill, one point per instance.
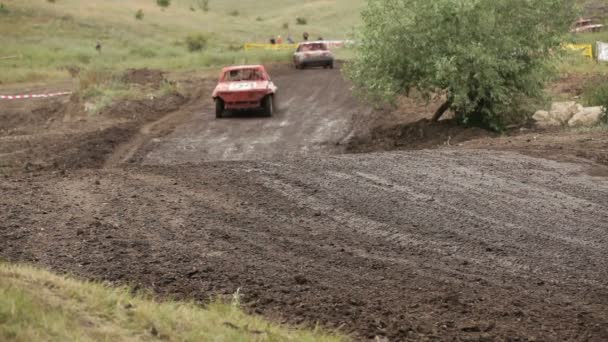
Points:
(49, 38)
(37, 305)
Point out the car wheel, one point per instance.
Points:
(219, 108)
(331, 65)
(268, 105)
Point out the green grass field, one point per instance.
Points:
(48, 38)
(36, 305)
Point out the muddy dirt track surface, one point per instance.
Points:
(315, 109)
(404, 245)
(472, 242)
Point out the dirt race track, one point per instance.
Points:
(441, 244)
(314, 113)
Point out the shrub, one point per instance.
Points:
(3, 9)
(597, 95)
(163, 3)
(235, 47)
(234, 13)
(285, 26)
(204, 4)
(301, 21)
(139, 15)
(143, 52)
(93, 77)
(83, 58)
(196, 42)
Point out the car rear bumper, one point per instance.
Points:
(317, 61)
(243, 105)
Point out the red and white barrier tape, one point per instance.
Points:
(33, 96)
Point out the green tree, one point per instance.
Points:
(485, 56)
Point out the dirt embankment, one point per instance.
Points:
(408, 128)
(58, 134)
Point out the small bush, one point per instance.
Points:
(196, 42)
(301, 21)
(259, 19)
(3, 9)
(234, 13)
(204, 4)
(51, 1)
(235, 47)
(597, 95)
(163, 3)
(139, 15)
(83, 58)
(285, 26)
(143, 52)
(91, 78)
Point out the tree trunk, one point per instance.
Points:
(441, 110)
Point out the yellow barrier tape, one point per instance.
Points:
(274, 47)
(585, 49)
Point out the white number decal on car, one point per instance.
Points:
(242, 86)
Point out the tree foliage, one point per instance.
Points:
(483, 55)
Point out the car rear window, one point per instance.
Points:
(312, 47)
(243, 75)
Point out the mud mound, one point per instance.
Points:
(50, 135)
(146, 109)
(418, 135)
(30, 117)
(144, 77)
(62, 151)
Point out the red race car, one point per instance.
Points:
(244, 87)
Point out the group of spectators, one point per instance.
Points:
(279, 39)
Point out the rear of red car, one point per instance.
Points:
(244, 87)
(243, 95)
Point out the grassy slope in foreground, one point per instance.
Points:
(52, 37)
(36, 305)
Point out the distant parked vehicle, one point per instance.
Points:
(244, 87)
(313, 54)
(586, 25)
